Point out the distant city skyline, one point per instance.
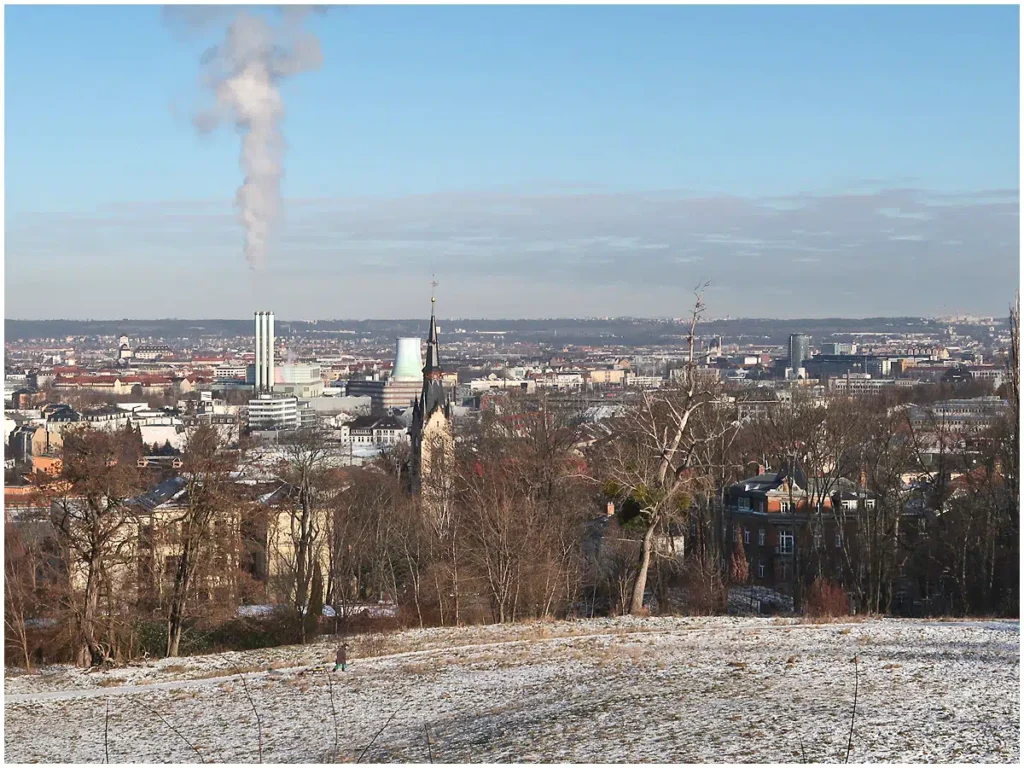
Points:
(541, 161)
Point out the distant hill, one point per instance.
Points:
(628, 331)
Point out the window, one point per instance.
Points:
(786, 542)
(839, 540)
(743, 503)
(760, 569)
(760, 537)
(785, 506)
(850, 504)
(746, 535)
(869, 503)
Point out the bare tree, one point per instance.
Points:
(19, 602)
(889, 453)
(649, 461)
(307, 468)
(96, 524)
(210, 497)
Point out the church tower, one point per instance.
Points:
(433, 446)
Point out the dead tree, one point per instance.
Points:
(648, 462)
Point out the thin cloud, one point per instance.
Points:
(959, 250)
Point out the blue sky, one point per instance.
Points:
(542, 160)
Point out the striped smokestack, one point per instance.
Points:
(264, 326)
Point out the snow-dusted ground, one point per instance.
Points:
(626, 690)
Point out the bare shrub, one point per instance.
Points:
(705, 590)
(826, 599)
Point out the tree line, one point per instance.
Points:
(537, 512)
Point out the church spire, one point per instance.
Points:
(431, 414)
(432, 369)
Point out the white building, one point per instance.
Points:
(232, 371)
(560, 380)
(643, 382)
(493, 382)
(300, 380)
(374, 430)
(152, 352)
(109, 418)
(273, 412)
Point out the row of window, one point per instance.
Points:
(785, 539)
(743, 504)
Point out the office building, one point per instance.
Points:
(298, 379)
(799, 350)
(273, 412)
(838, 348)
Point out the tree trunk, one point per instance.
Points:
(178, 596)
(455, 584)
(92, 653)
(636, 603)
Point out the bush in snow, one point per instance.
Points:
(826, 599)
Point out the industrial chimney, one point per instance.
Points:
(264, 351)
(408, 361)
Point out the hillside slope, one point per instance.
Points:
(657, 690)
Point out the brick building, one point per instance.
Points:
(785, 521)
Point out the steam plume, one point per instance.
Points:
(244, 73)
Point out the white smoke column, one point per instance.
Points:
(244, 73)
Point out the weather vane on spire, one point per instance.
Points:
(433, 285)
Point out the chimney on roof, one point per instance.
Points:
(610, 511)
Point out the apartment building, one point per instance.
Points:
(270, 412)
(863, 384)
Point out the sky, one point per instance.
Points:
(539, 161)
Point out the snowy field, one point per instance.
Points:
(600, 691)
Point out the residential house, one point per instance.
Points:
(784, 520)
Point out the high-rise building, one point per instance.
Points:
(264, 372)
(799, 350)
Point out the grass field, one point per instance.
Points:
(623, 690)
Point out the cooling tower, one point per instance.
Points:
(408, 362)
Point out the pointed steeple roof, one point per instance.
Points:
(433, 357)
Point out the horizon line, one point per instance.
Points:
(652, 318)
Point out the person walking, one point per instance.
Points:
(339, 660)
